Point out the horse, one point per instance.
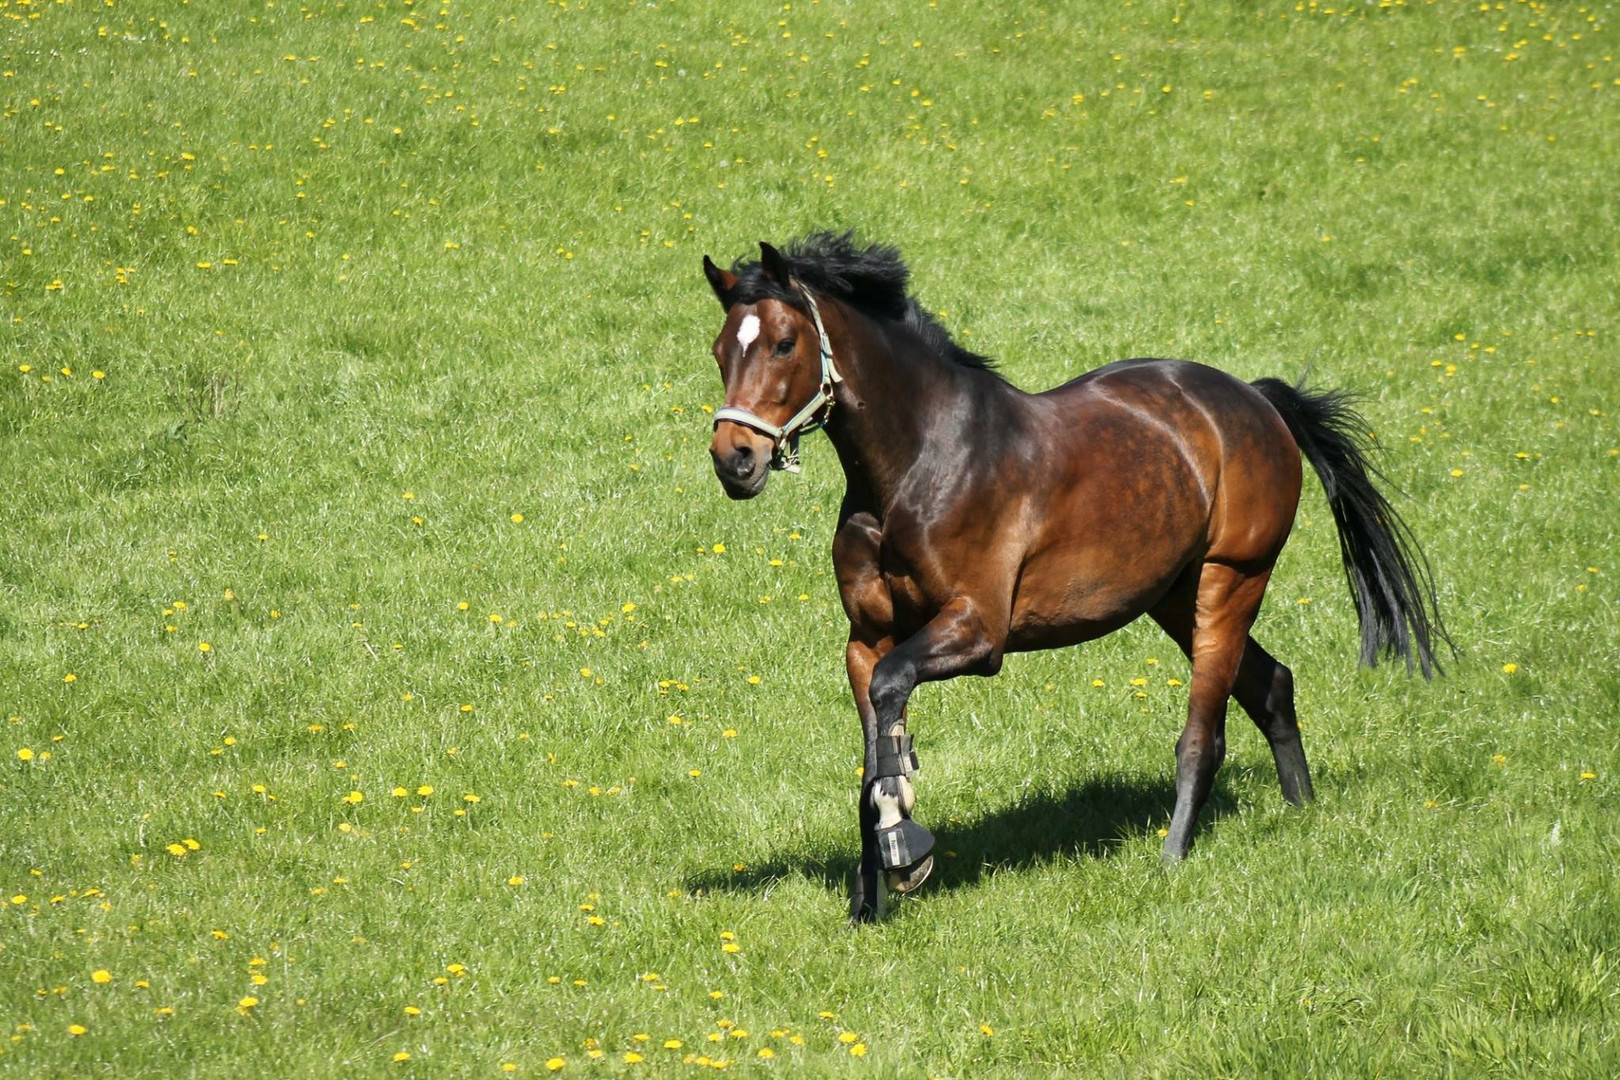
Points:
(980, 520)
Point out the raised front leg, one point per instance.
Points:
(897, 851)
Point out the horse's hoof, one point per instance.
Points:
(907, 879)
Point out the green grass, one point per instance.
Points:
(343, 266)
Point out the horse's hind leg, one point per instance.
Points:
(1263, 686)
(1265, 689)
(1209, 616)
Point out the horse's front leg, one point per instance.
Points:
(867, 894)
(895, 850)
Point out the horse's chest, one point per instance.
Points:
(883, 591)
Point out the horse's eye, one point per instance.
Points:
(785, 347)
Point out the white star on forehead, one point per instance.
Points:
(747, 331)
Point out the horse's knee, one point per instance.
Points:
(893, 680)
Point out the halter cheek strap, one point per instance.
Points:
(785, 439)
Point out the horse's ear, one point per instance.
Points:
(774, 265)
(721, 281)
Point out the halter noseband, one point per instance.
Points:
(785, 439)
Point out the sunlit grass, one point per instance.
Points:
(366, 345)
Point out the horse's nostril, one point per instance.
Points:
(744, 453)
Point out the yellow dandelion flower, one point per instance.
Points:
(355, 798)
(101, 976)
(402, 1056)
(25, 754)
(77, 1029)
(553, 1064)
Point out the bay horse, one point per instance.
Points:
(980, 520)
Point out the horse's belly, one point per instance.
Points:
(1049, 620)
(1074, 594)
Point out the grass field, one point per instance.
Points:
(391, 690)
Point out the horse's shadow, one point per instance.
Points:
(1091, 820)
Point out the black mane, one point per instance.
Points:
(871, 279)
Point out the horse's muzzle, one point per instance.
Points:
(742, 460)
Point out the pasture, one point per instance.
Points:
(390, 689)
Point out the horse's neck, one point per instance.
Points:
(893, 394)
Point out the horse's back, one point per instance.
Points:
(1231, 436)
(1152, 381)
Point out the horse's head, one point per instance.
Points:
(778, 381)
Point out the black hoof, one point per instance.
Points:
(905, 880)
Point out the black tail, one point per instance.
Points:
(1389, 577)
